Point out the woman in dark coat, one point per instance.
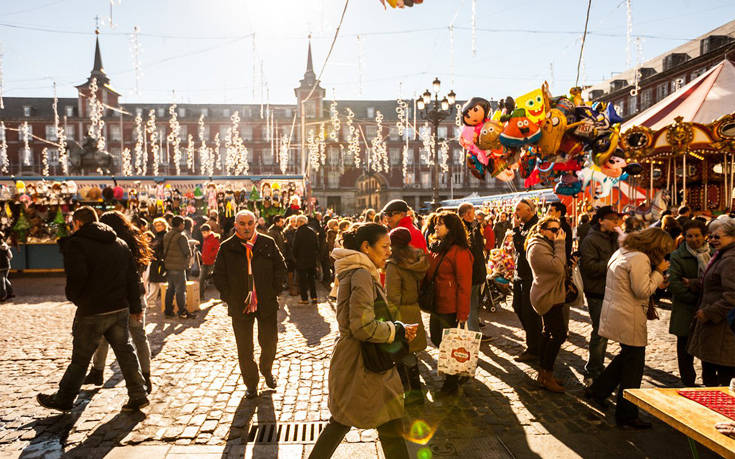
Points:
(712, 340)
(688, 263)
(306, 254)
(157, 270)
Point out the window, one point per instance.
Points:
(26, 110)
(408, 134)
(182, 112)
(457, 132)
(371, 132)
(138, 111)
(30, 133)
(206, 133)
(349, 159)
(395, 156)
(50, 132)
(409, 178)
(53, 157)
(632, 104)
(345, 133)
(441, 132)
(662, 90)
(333, 179)
(226, 112)
(266, 157)
(425, 179)
(183, 132)
(205, 112)
(409, 157)
(287, 113)
(27, 156)
(2, 135)
(457, 177)
(224, 132)
(371, 112)
(115, 134)
(161, 112)
(333, 156)
(443, 179)
(69, 110)
(310, 109)
(393, 133)
(247, 112)
(646, 99)
(246, 132)
(264, 133)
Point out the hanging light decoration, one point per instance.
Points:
(60, 136)
(4, 163)
(334, 119)
(217, 152)
(140, 159)
(474, 28)
(404, 162)
(26, 135)
(429, 143)
(237, 154)
(283, 154)
(354, 138)
(312, 147)
(127, 166)
(444, 156)
(173, 136)
(205, 160)
(96, 112)
(380, 155)
(190, 153)
(44, 162)
(153, 133)
(135, 50)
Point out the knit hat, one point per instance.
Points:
(400, 236)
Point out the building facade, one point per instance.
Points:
(340, 180)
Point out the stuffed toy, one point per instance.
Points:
(519, 130)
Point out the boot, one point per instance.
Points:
(414, 396)
(546, 380)
(94, 377)
(148, 383)
(292, 285)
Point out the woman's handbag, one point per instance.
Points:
(427, 293)
(571, 288)
(381, 357)
(651, 312)
(576, 278)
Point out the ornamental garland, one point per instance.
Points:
(334, 119)
(152, 130)
(4, 162)
(354, 138)
(190, 153)
(380, 155)
(141, 161)
(205, 153)
(173, 136)
(60, 136)
(127, 166)
(217, 152)
(96, 112)
(44, 162)
(25, 131)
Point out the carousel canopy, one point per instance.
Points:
(703, 100)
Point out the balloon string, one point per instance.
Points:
(584, 37)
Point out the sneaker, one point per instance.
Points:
(49, 401)
(135, 405)
(94, 377)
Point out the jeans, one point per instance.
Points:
(473, 321)
(530, 320)
(87, 332)
(555, 333)
(598, 344)
(390, 435)
(267, 339)
(307, 283)
(140, 341)
(686, 362)
(716, 375)
(176, 286)
(204, 275)
(6, 288)
(625, 371)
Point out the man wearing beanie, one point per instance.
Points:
(397, 213)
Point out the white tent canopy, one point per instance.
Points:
(703, 100)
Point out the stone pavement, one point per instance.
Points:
(198, 407)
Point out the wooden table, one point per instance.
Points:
(695, 421)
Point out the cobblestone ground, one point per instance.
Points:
(198, 405)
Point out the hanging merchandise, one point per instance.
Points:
(474, 114)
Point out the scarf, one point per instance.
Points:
(703, 257)
(251, 302)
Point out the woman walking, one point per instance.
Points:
(357, 396)
(142, 254)
(451, 259)
(404, 271)
(712, 340)
(688, 263)
(634, 272)
(157, 273)
(545, 249)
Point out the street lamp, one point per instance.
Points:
(435, 110)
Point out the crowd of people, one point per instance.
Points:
(379, 267)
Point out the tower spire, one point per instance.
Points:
(97, 54)
(309, 65)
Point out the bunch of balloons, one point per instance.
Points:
(560, 141)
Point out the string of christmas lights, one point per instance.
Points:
(96, 112)
(127, 165)
(60, 136)
(4, 162)
(136, 51)
(174, 137)
(153, 133)
(140, 159)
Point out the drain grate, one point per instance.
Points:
(286, 432)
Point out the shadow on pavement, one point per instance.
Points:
(238, 437)
(107, 436)
(309, 322)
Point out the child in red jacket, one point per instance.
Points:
(210, 247)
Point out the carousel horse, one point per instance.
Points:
(651, 212)
(87, 158)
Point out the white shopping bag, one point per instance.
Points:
(459, 351)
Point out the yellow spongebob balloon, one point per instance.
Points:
(533, 102)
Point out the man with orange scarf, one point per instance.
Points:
(249, 272)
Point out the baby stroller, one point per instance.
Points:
(494, 292)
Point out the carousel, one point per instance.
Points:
(686, 144)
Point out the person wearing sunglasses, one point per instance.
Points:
(712, 341)
(545, 249)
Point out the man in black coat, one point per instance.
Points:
(306, 255)
(249, 272)
(525, 214)
(466, 212)
(102, 281)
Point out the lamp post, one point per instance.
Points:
(434, 111)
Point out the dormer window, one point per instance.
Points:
(161, 112)
(69, 109)
(182, 112)
(226, 112)
(138, 111)
(371, 112)
(26, 110)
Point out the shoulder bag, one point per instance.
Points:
(427, 293)
(381, 357)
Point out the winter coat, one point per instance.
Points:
(583, 229)
(290, 235)
(157, 247)
(523, 270)
(596, 249)
(489, 237)
(277, 234)
(417, 239)
(101, 274)
(684, 300)
(629, 285)
(231, 275)
(548, 264)
(500, 228)
(477, 247)
(331, 239)
(176, 251)
(402, 282)
(210, 247)
(453, 283)
(305, 248)
(358, 397)
(5, 256)
(713, 341)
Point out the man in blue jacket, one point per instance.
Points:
(102, 281)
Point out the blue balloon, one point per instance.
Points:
(612, 115)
